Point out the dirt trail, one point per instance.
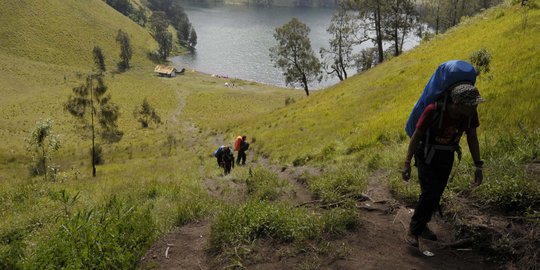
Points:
(377, 244)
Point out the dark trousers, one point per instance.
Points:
(241, 157)
(433, 179)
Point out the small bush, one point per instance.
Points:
(289, 100)
(481, 60)
(145, 114)
(265, 185)
(98, 154)
(190, 210)
(340, 184)
(239, 226)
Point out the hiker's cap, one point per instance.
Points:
(466, 94)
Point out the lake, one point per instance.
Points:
(234, 41)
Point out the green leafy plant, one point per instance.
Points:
(42, 143)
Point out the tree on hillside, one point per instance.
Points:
(126, 51)
(401, 19)
(41, 143)
(139, 16)
(178, 18)
(146, 114)
(443, 14)
(89, 100)
(184, 30)
(192, 38)
(339, 57)
(122, 6)
(373, 12)
(159, 27)
(293, 54)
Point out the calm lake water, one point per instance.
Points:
(234, 41)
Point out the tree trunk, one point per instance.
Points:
(437, 20)
(378, 30)
(304, 81)
(93, 136)
(44, 159)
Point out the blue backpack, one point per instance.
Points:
(219, 151)
(446, 75)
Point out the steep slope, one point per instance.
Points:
(64, 32)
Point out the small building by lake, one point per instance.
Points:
(165, 71)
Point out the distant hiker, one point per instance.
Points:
(244, 146)
(218, 154)
(450, 100)
(227, 160)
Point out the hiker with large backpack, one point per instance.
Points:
(446, 109)
(243, 146)
(225, 158)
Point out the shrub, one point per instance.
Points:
(239, 226)
(340, 184)
(481, 60)
(146, 114)
(265, 185)
(98, 154)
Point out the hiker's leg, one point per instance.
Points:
(433, 180)
(238, 158)
(242, 157)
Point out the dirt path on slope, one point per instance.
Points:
(377, 244)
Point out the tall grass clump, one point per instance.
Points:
(510, 182)
(263, 184)
(236, 228)
(191, 209)
(340, 184)
(111, 236)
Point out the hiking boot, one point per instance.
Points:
(429, 234)
(411, 239)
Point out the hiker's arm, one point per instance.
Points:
(413, 144)
(474, 147)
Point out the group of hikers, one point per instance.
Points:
(225, 154)
(446, 109)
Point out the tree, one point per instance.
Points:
(192, 38)
(293, 54)
(184, 31)
(122, 6)
(89, 99)
(176, 15)
(41, 143)
(126, 50)
(159, 27)
(339, 57)
(373, 13)
(146, 114)
(139, 16)
(401, 19)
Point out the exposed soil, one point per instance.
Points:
(377, 244)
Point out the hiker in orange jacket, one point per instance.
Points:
(433, 144)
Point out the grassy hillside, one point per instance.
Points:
(63, 32)
(151, 174)
(377, 103)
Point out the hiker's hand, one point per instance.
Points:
(406, 172)
(478, 177)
